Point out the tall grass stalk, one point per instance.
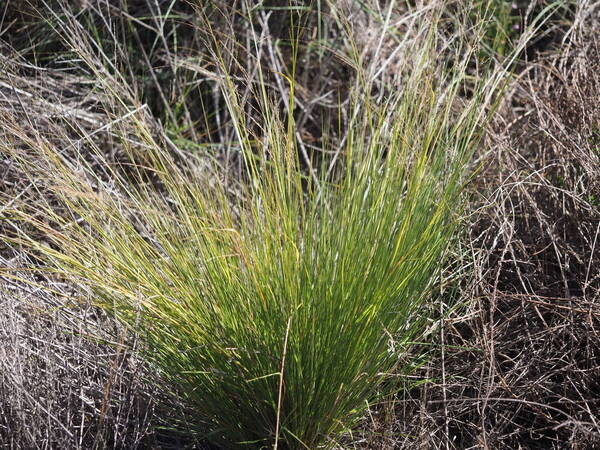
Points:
(278, 306)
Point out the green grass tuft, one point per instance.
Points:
(277, 306)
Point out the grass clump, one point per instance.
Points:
(276, 305)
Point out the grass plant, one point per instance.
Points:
(277, 305)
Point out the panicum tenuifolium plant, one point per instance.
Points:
(276, 305)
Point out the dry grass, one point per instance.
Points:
(521, 366)
(69, 373)
(58, 389)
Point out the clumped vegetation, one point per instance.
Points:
(299, 225)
